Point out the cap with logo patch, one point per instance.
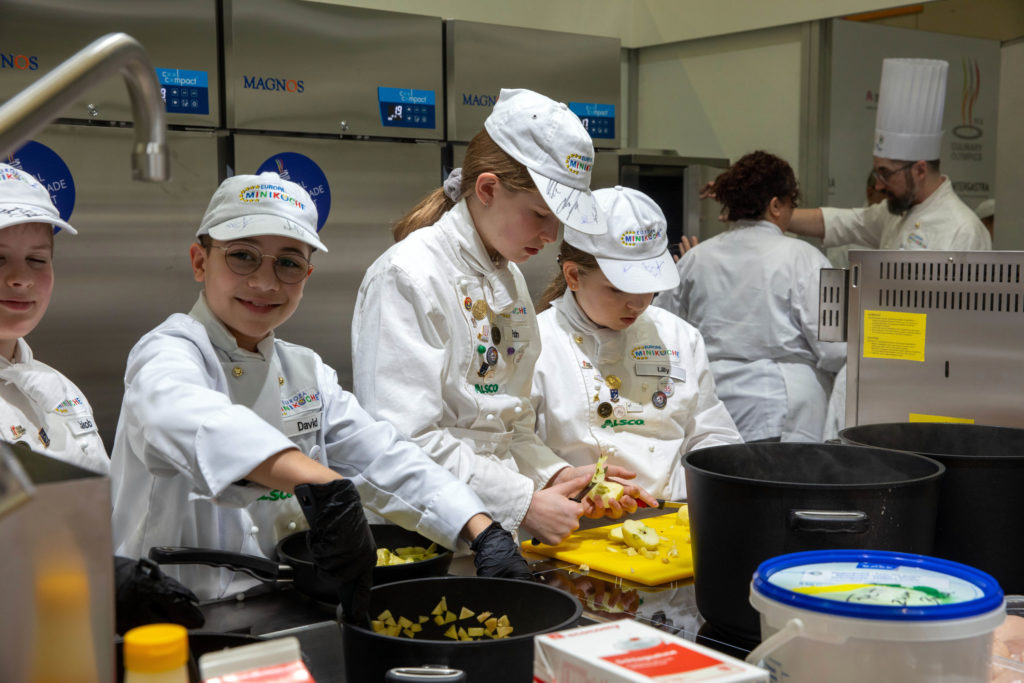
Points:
(264, 204)
(23, 199)
(550, 140)
(633, 254)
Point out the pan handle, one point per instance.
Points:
(829, 521)
(258, 567)
(428, 672)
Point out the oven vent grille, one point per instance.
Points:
(947, 300)
(945, 271)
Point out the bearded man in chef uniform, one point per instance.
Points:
(921, 211)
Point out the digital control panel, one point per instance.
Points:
(406, 108)
(598, 119)
(184, 92)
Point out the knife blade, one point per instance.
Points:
(664, 504)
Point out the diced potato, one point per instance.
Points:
(439, 620)
(408, 633)
(415, 628)
(385, 616)
(462, 633)
(631, 551)
(475, 631)
(441, 608)
(650, 554)
(423, 619)
(503, 620)
(503, 631)
(452, 633)
(404, 623)
(449, 617)
(491, 624)
(378, 626)
(615, 534)
(483, 616)
(466, 613)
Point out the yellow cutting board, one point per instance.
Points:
(590, 547)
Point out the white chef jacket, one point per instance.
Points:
(43, 408)
(658, 352)
(199, 413)
(941, 222)
(419, 354)
(753, 294)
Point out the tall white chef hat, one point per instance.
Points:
(908, 125)
(633, 254)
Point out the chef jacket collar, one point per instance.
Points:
(499, 283)
(610, 343)
(759, 223)
(221, 337)
(22, 354)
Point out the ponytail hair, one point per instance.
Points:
(556, 288)
(483, 155)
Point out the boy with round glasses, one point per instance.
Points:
(38, 405)
(222, 422)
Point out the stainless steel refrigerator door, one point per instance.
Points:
(372, 185)
(484, 58)
(179, 36)
(312, 67)
(128, 268)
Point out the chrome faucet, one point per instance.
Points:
(34, 107)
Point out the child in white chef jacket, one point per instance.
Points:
(617, 376)
(38, 405)
(221, 421)
(444, 336)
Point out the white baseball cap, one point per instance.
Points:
(911, 99)
(24, 200)
(264, 204)
(633, 254)
(547, 138)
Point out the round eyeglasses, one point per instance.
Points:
(244, 259)
(884, 174)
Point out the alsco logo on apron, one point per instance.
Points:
(486, 388)
(620, 423)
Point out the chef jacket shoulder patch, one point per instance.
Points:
(301, 401)
(72, 405)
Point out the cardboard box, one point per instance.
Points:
(627, 651)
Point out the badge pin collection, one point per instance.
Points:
(605, 409)
(489, 337)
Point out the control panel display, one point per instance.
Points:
(184, 92)
(598, 119)
(406, 108)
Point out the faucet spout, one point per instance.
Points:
(34, 107)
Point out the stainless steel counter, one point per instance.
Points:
(670, 607)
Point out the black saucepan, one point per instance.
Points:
(532, 609)
(294, 563)
(978, 522)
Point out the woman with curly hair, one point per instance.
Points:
(753, 294)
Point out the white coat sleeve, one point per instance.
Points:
(399, 337)
(861, 227)
(806, 302)
(181, 424)
(711, 424)
(395, 478)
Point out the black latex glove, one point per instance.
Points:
(497, 554)
(340, 542)
(145, 595)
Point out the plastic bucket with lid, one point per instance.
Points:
(872, 615)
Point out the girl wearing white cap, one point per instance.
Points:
(38, 405)
(616, 376)
(444, 336)
(221, 421)
(753, 293)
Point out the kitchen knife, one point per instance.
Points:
(664, 504)
(577, 498)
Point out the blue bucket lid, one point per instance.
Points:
(878, 584)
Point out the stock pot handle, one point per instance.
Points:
(257, 567)
(429, 672)
(829, 521)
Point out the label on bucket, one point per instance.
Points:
(875, 583)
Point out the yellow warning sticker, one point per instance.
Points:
(921, 417)
(891, 334)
